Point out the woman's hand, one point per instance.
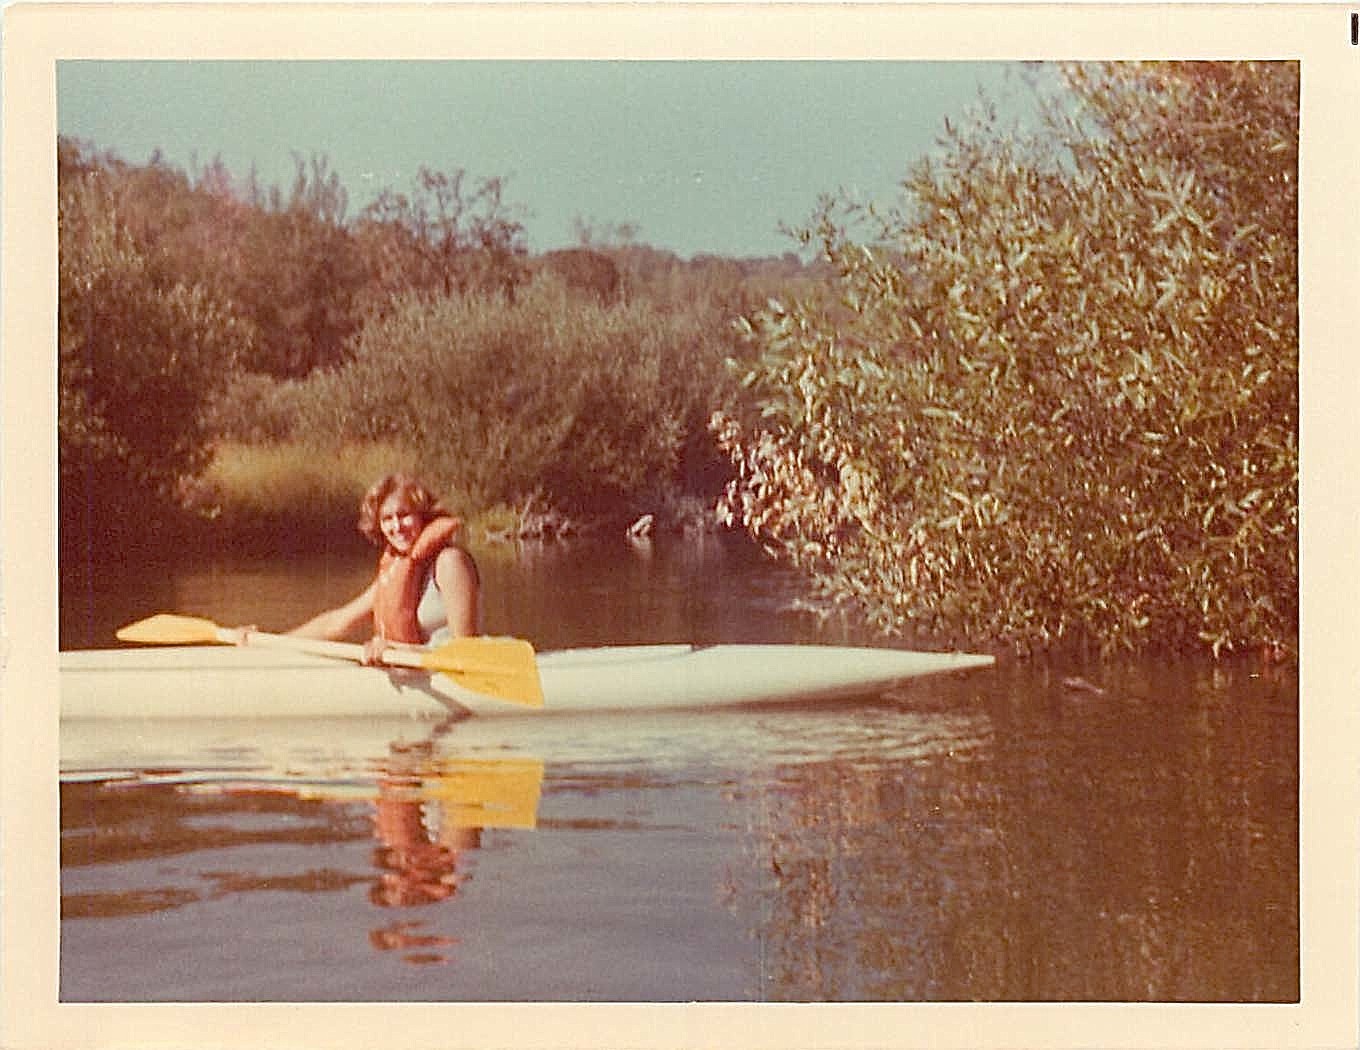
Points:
(373, 651)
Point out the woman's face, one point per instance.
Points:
(399, 521)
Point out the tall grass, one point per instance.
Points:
(299, 482)
(312, 491)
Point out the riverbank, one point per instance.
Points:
(270, 504)
(290, 502)
(286, 495)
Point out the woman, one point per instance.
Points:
(425, 585)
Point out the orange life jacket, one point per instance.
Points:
(402, 579)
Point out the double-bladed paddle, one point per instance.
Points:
(504, 668)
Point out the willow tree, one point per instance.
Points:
(1054, 398)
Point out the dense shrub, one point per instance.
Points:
(1058, 400)
(203, 308)
(591, 406)
(583, 270)
(254, 408)
(139, 354)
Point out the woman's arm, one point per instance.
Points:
(342, 621)
(460, 586)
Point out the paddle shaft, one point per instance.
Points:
(504, 668)
(392, 655)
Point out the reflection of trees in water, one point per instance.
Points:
(866, 862)
(1116, 849)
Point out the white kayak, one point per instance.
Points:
(230, 682)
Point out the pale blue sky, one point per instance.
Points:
(702, 156)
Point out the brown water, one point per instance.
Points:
(999, 835)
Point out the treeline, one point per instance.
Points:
(200, 313)
(1056, 401)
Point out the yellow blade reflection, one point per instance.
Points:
(471, 792)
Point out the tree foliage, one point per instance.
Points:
(200, 308)
(284, 263)
(297, 273)
(582, 269)
(140, 353)
(1057, 399)
(443, 237)
(586, 405)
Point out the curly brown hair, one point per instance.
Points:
(417, 494)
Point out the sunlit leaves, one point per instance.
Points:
(1065, 378)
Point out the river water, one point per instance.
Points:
(1116, 832)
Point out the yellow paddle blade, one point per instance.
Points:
(169, 629)
(501, 667)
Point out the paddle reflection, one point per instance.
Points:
(429, 812)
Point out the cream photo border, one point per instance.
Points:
(37, 36)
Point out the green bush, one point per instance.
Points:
(1057, 402)
(254, 408)
(139, 355)
(591, 406)
(203, 309)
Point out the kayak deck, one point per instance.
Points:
(228, 682)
